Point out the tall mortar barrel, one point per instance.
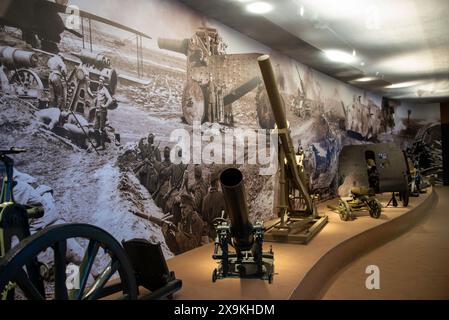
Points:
(234, 194)
(281, 122)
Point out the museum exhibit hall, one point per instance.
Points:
(228, 157)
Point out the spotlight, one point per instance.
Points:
(339, 56)
(402, 85)
(365, 79)
(259, 7)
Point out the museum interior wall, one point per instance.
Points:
(111, 167)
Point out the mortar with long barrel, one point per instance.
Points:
(299, 220)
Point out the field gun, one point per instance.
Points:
(23, 81)
(298, 217)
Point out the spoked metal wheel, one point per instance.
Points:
(16, 266)
(344, 210)
(193, 103)
(375, 208)
(28, 79)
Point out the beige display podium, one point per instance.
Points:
(301, 271)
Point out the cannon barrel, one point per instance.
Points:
(242, 90)
(231, 181)
(98, 60)
(180, 46)
(277, 107)
(13, 57)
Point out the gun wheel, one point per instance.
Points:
(29, 79)
(344, 210)
(193, 103)
(375, 208)
(51, 243)
(214, 275)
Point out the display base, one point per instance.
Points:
(294, 230)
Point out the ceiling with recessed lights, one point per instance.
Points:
(397, 48)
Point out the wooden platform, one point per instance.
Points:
(301, 271)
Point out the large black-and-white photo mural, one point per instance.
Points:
(99, 93)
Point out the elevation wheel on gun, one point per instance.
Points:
(344, 210)
(375, 208)
(193, 103)
(52, 243)
(29, 80)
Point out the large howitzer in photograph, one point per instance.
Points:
(18, 72)
(216, 80)
(298, 219)
(249, 259)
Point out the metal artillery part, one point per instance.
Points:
(248, 260)
(360, 199)
(25, 82)
(215, 80)
(17, 58)
(56, 237)
(82, 83)
(98, 60)
(180, 46)
(299, 221)
(365, 170)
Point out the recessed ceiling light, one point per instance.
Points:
(402, 85)
(259, 7)
(366, 79)
(339, 56)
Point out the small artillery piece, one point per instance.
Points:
(125, 266)
(82, 82)
(23, 81)
(299, 220)
(360, 199)
(248, 260)
(365, 170)
(215, 80)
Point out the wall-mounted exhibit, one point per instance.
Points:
(138, 138)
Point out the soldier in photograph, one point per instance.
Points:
(198, 189)
(191, 227)
(213, 205)
(148, 149)
(103, 100)
(178, 180)
(164, 169)
(58, 73)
